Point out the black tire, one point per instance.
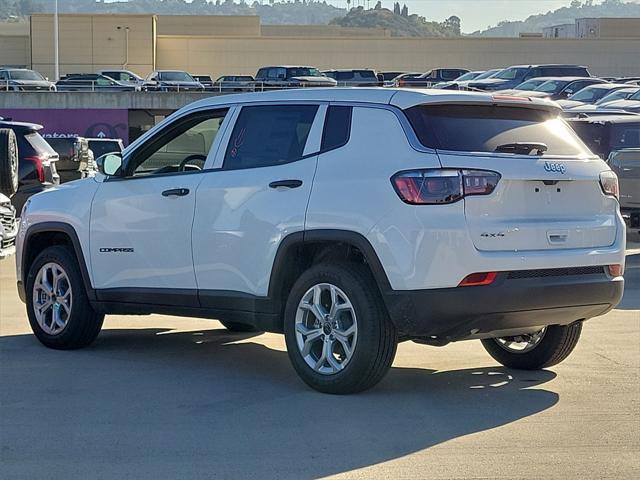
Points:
(238, 327)
(8, 162)
(376, 343)
(83, 324)
(557, 344)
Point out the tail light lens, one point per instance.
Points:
(442, 186)
(609, 184)
(38, 166)
(401, 82)
(616, 270)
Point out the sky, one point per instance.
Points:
(475, 14)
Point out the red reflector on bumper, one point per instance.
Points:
(476, 279)
(616, 270)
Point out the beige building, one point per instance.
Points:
(216, 45)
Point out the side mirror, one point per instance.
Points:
(110, 164)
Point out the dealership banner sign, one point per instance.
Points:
(92, 123)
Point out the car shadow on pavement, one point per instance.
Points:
(154, 403)
(631, 298)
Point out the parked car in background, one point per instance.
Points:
(387, 76)
(459, 84)
(560, 88)
(621, 94)
(8, 227)
(172, 81)
(275, 77)
(514, 76)
(630, 104)
(590, 95)
(123, 76)
(399, 81)
(102, 146)
(24, 80)
(234, 83)
(353, 78)
(462, 78)
(89, 82)
(75, 160)
(205, 80)
(432, 77)
(36, 161)
(616, 139)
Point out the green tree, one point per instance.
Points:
(378, 6)
(396, 8)
(405, 10)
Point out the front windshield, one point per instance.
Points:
(552, 86)
(303, 72)
(511, 73)
(589, 94)
(488, 74)
(618, 95)
(467, 76)
(25, 75)
(529, 85)
(176, 77)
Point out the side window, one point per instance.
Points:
(337, 127)
(269, 135)
(262, 73)
(3, 76)
(181, 147)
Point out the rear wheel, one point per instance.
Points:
(57, 305)
(8, 162)
(535, 351)
(339, 336)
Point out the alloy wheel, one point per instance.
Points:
(52, 298)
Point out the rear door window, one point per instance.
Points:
(269, 135)
(484, 128)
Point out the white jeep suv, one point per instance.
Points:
(348, 219)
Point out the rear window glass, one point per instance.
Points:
(101, 148)
(64, 146)
(625, 136)
(39, 144)
(337, 127)
(484, 128)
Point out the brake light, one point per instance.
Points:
(609, 184)
(442, 186)
(401, 82)
(477, 279)
(38, 167)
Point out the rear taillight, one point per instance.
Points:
(609, 184)
(442, 186)
(38, 167)
(616, 270)
(477, 279)
(401, 83)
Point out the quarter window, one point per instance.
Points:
(269, 135)
(337, 127)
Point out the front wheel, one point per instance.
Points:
(59, 311)
(339, 336)
(535, 351)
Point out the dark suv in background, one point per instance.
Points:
(102, 146)
(616, 139)
(36, 161)
(514, 76)
(354, 78)
(75, 160)
(275, 77)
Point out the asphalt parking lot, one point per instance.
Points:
(161, 397)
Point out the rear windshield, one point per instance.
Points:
(39, 144)
(64, 146)
(100, 148)
(484, 128)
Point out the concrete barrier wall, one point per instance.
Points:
(220, 55)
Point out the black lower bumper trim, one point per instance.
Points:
(506, 306)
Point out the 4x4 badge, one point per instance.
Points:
(555, 167)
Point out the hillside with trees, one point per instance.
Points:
(399, 22)
(576, 9)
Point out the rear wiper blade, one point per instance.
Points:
(523, 148)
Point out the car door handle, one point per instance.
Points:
(286, 184)
(176, 192)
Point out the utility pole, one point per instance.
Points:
(56, 53)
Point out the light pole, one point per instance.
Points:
(56, 53)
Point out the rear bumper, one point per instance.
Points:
(506, 307)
